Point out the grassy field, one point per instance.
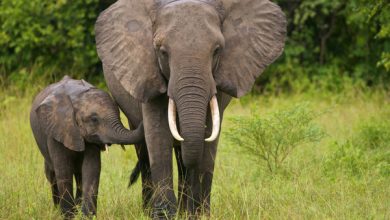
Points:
(344, 176)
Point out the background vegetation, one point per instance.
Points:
(325, 101)
(328, 41)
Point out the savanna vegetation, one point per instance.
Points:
(341, 172)
(311, 141)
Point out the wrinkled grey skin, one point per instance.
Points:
(72, 121)
(189, 51)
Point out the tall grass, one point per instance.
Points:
(318, 179)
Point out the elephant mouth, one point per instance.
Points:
(94, 138)
(97, 139)
(104, 147)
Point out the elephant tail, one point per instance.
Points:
(135, 174)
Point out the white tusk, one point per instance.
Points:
(106, 146)
(172, 120)
(215, 119)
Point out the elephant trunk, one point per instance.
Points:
(118, 134)
(191, 99)
(214, 114)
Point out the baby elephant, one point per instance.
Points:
(72, 122)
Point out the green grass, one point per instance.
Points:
(317, 180)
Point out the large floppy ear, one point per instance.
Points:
(124, 41)
(57, 118)
(254, 32)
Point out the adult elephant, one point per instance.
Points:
(184, 59)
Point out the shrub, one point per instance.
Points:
(49, 33)
(368, 150)
(272, 138)
(373, 135)
(329, 41)
(347, 159)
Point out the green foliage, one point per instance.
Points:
(374, 134)
(272, 138)
(346, 159)
(367, 151)
(332, 40)
(328, 42)
(49, 33)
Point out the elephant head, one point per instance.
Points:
(76, 113)
(189, 49)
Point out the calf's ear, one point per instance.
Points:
(56, 116)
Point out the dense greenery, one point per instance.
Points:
(55, 35)
(328, 41)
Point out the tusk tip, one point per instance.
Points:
(209, 139)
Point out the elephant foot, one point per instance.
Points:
(163, 210)
(69, 215)
(56, 200)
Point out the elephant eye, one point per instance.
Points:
(163, 52)
(216, 51)
(216, 54)
(163, 62)
(93, 119)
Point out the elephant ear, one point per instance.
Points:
(57, 118)
(124, 40)
(254, 32)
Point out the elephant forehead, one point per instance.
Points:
(187, 22)
(94, 101)
(188, 14)
(71, 87)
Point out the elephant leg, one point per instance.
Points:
(159, 142)
(144, 166)
(62, 159)
(50, 175)
(146, 176)
(79, 191)
(65, 191)
(183, 182)
(90, 170)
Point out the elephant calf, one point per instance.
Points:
(72, 122)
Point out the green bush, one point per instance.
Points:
(374, 135)
(330, 41)
(368, 150)
(346, 159)
(48, 33)
(272, 138)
